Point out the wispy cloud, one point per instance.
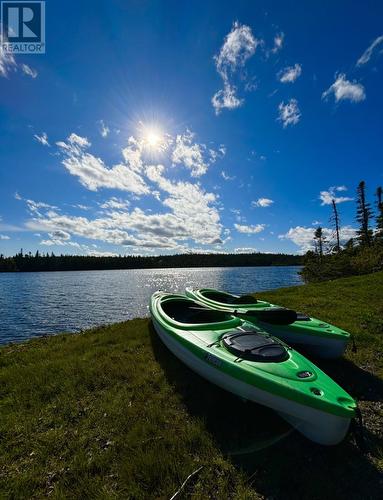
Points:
(343, 89)
(115, 204)
(239, 45)
(94, 174)
(367, 54)
(227, 177)
(290, 73)
(289, 113)
(27, 70)
(8, 63)
(4, 237)
(42, 139)
(226, 98)
(104, 129)
(251, 229)
(262, 202)
(326, 197)
(278, 42)
(188, 214)
(194, 156)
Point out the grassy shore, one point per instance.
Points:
(110, 413)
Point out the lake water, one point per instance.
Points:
(33, 304)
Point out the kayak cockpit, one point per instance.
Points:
(228, 298)
(187, 311)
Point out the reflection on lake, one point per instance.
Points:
(33, 304)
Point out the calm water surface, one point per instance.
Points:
(33, 304)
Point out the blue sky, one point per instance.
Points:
(159, 127)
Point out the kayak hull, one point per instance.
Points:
(321, 347)
(318, 426)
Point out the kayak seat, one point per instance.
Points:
(275, 316)
(227, 298)
(303, 317)
(255, 346)
(189, 312)
(245, 299)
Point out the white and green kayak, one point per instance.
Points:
(314, 336)
(243, 359)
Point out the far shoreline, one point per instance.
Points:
(27, 262)
(148, 268)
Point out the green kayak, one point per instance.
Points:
(310, 334)
(243, 359)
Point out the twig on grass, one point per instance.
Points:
(178, 492)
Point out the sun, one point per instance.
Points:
(153, 139)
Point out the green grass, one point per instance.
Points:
(110, 413)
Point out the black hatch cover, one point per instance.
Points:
(255, 346)
(275, 315)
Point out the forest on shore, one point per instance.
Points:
(27, 262)
(362, 254)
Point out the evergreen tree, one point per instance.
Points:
(363, 216)
(335, 220)
(319, 240)
(379, 218)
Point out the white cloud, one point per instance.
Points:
(326, 197)
(104, 129)
(194, 156)
(27, 70)
(190, 216)
(245, 250)
(94, 174)
(343, 89)
(290, 74)
(192, 205)
(239, 45)
(42, 139)
(250, 229)
(115, 203)
(4, 237)
(289, 113)
(278, 42)
(59, 234)
(227, 177)
(226, 98)
(7, 63)
(366, 56)
(262, 202)
(304, 236)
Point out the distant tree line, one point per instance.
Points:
(360, 255)
(27, 262)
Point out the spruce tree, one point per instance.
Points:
(363, 215)
(379, 218)
(335, 220)
(319, 240)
